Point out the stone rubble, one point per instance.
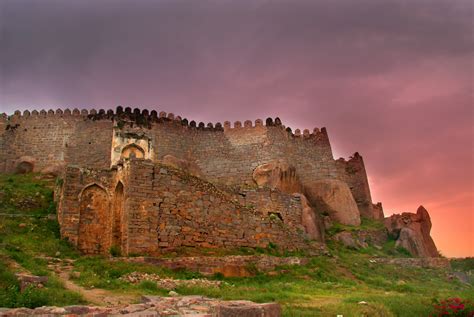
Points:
(180, 306)
(169, 283)
(228, 266)
(27, 280)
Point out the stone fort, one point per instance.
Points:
(149, 183)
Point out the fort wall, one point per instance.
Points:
(95, 144)
(226, 153)
(164, 209)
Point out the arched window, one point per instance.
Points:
(132, 150)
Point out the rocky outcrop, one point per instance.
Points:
(362, 238)
(277, 174)
(377, 211)
(185, 165)
(335, 198)
(54, 168)
(412, 232)
(311, 220)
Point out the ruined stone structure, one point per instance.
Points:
(148, 182)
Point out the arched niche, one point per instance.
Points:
(24, 167)
(118, 217)
(132, 150)
(94, 221)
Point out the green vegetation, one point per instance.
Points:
(326, 286)
(463, 265)
(26, 240)
(366, 224)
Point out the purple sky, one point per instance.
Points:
(390, 79)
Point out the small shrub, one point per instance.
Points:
(115, 251)
(148, 285)
(453, 307)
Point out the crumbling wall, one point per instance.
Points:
(354, 174)
(170, 209)
(89, 210)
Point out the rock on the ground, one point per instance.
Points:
(27, 280)
(438, 262)
(335, 198)
(247, 309)
(412, 232)
(346, 238)
(160, 306)
(169, 283)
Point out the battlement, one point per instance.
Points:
(235, 180)
(146, 118)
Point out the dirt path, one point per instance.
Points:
(101, 297)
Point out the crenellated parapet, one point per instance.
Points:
(99, 138)
(146, 118)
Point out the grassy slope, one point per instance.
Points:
(23, 239)
(326, 286)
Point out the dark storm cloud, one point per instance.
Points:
(391, 79)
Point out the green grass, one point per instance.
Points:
(327, 286)
(366, 225)
(52, 294)
(26, 239)
(463, 265)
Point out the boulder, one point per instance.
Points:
(244, 308)
(25, 164)
(277, 174)
(335, 198)
(412, 232)
(185, 165)
(362, 238)
(54, 168)
(346, 238)
(311, 221)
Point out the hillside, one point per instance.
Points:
(343, 281)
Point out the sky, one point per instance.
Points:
(392, 80)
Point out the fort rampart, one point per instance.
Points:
(152, 181)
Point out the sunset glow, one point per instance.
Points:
(392, 81)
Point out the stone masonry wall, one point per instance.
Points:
(226, 154)
(229, 157)
(168, 209)
(75, 205)
(41, 136)
(51, 137)
(354, 174)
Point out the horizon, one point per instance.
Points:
(389, 80)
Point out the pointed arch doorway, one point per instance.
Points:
(118, 218)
